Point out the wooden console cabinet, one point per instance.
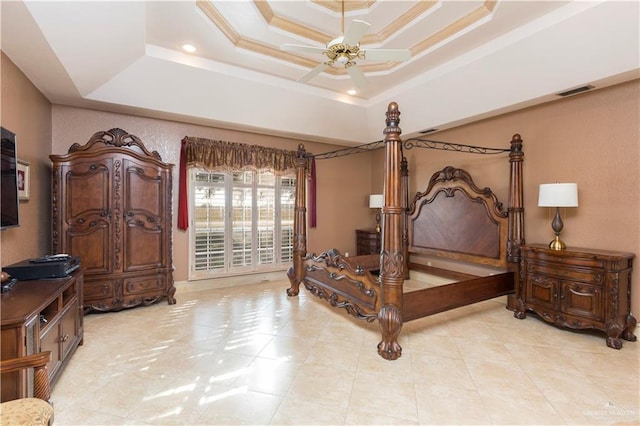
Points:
(367, 241)
(37, 316)
(578, 289)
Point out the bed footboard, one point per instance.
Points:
(345, 282)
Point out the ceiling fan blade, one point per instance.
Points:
(387, 54)
(317, 70)
(357, 76)
(301, 48)
(355, 32)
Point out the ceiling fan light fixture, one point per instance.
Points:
(342, 59)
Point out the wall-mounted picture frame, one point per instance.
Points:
(23, 180)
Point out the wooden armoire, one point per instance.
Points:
(111, 206)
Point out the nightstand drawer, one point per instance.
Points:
(563, 260)
(367, 241)
(566, 272)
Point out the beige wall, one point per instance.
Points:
(343, 182)
(27, 113)
(592, 139)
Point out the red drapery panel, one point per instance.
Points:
(183, 209)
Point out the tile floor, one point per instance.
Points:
(251, 355)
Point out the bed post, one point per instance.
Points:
(391, 256)
(516, 218)
(295, 272)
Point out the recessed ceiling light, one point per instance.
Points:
(189, 48)
(352, 92)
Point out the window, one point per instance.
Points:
(240, 222)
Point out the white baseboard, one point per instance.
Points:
(231, 281)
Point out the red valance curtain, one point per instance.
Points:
(217, 155)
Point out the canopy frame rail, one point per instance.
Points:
(408, 145)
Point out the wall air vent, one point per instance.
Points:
(424, 132)
(575, 91)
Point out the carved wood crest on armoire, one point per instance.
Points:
(111, 206)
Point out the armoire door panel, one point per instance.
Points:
(144, 246)
(88, 190)
(145, 190)
(87, 221)
(144, 214)
(92, 244)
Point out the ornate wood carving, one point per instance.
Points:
(344, 282)
(117, 138)
(390, 322)
(392, 257)
(578, 289)
(55, 212)
(112, 208)
(338, 301)
(117, 214)
(296, 272)
(515, 232)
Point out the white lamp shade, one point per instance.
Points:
(376, 201)
(558, 195)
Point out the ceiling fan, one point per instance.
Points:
(345, 50)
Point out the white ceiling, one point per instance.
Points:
(470, 59)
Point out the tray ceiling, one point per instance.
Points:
(127, 57)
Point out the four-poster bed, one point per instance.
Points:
(452, 218)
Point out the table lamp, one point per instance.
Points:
(376, 201)
(558, 195)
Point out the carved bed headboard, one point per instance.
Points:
(455, 219)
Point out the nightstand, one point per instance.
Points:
(579, 289)
(367, 241)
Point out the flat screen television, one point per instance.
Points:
(9, 204)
